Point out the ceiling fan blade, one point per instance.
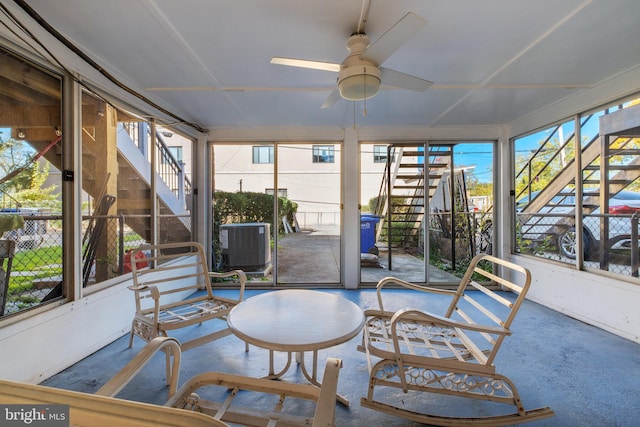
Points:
(395, 36)
(333, 97)
(404, 81)
(316, 65)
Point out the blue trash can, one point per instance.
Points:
(368, 224)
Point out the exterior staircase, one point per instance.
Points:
(622, 166)
(401, 200)
(134, 187)
(134, 183)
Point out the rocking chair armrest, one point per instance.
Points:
(394, 280)
(326, 404)
(378, 313)
(242, 277)
(424, 317)
(154, 293)
(152, 289)
(123, 377)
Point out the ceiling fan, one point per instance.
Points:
(360, 74)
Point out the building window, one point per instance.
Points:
(176, 151)
(282, 192)
(262, 154)
(380, 154)
(323, 154)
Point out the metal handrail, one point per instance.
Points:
(527, 168)
(169, 168)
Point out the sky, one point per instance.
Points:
(476, 154)
(5, 134)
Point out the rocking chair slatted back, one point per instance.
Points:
(173, 280)
(173, 289)
(497, 309)
(451, 354)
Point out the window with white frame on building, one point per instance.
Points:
(262, 154)
(380, 154)
(176, 151)
(323, 154)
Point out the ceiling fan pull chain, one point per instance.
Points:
(354, 115)
(364, 110)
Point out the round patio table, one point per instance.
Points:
(296, 321)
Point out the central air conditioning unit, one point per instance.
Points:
(246, 246)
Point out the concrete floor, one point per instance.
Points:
(587, 376)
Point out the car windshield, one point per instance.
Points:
(524, 200)
(622, 197)
(626, 195)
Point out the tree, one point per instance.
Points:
(37, 195)
(539, 171)
(27, 185)
(477, 188)
(15, 154)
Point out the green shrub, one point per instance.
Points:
(247, 207)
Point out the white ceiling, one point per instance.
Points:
(492, 61)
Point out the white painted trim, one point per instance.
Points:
(350, 207)
(624, 85)
(319, 133)
(202, 170)
(595, 299)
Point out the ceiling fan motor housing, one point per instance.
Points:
(357, 82)
(358, 78)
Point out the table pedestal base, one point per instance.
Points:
(312, 378)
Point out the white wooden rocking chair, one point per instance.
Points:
(453, 353)
(185, 407)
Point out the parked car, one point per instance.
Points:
(621, 206)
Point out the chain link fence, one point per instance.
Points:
(546, 235)
(610, 241)
(31, 256)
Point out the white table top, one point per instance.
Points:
(296, 320)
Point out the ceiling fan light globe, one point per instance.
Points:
(359, 82)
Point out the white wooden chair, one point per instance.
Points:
(167, 279)
(231, 386)
(103, 408)
(185, 407)
(90, 410)
(248, 391)
(450, 353)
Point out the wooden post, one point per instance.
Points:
(106, 172)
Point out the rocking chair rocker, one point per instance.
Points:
(451, 354)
